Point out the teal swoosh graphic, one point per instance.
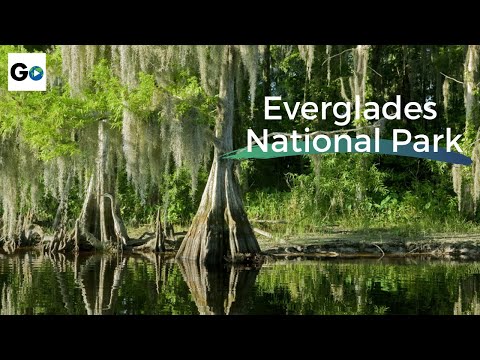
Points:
(385, 148)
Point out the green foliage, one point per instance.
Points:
(140, 98)
(43, 117)
(192, 102)
(182, 203)
(315, 202)
(104, 97)
(47, 120)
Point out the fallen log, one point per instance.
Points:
(263, 232)
(269, 221)
(140, 241)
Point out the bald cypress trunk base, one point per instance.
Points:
(220, 231)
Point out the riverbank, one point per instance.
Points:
(333, 242)
(348, 244)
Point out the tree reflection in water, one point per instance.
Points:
(219, 290)
(36, 283)
(100, 278)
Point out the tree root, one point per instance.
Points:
(30, 235)
(76, 240)
(59, 242)
(149, 246)
(9, 246)
(245, 259)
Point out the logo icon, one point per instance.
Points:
(36, 73)
(27, 72)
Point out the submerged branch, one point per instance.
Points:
(379, 248)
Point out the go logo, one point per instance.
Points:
(35, 73)
(27, 72)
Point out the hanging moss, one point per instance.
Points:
(446, 95)
(328, 52)
(467, 182)
(307, 53)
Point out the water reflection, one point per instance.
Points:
(36, 283)
(99, 280)
(219, 290)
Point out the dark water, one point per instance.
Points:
(32, 283)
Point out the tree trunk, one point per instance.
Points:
(267, 82)
(466, 182)
(360, 61)
(104, 185)
(96, 216)
(220, 229)
(159, 235)
(76, 235)
(61, 214)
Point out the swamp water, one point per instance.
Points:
(34, 283)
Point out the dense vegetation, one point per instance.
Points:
(148, 124)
